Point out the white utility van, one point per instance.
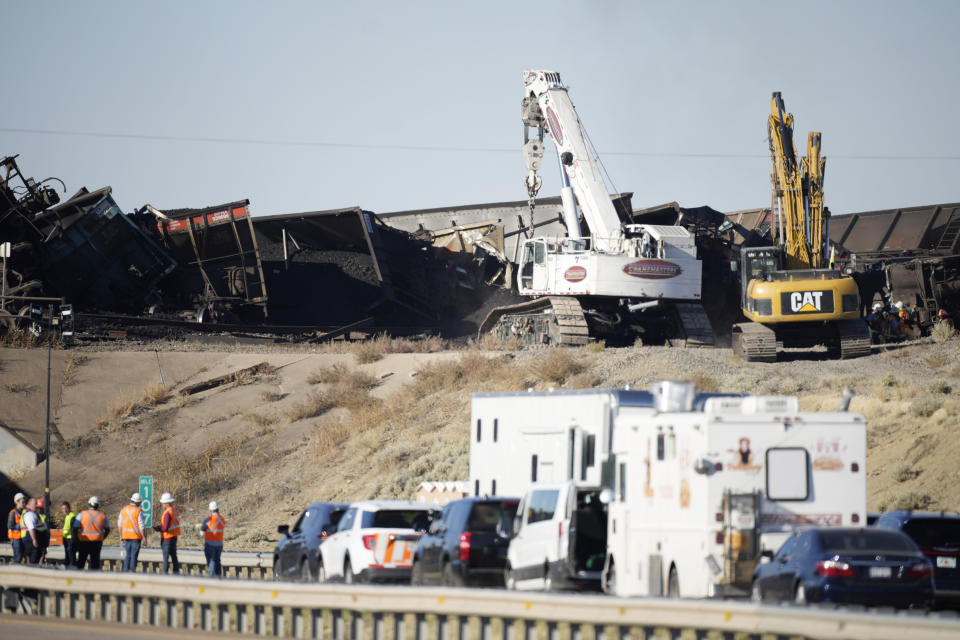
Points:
(559, 538)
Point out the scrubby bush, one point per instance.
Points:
(925, 406)
(913, 500)
(939, 386)
(902, 472)
(557, 366)
(943, 332)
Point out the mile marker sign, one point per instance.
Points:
(146, 492)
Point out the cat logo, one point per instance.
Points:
(802, 302)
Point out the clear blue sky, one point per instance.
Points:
(402, 105)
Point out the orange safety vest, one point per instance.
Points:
(130, 523)
(14, 534)
(93, 526)
(214, 532)
(173, 529)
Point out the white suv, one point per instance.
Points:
(375, 540)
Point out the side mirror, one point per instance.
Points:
(324, 534)
(733, 266)
(766, 556)
(505, 526)
(284, 529)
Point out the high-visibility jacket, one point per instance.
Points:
(14, 531)
(130, 523)
(41, 522)
(173, 525)
(93, 525)
(68, 525)
(214, 530)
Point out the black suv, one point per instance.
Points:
(463, 545)
(296, 556)
(938, 536)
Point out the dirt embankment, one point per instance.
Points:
(314, 424)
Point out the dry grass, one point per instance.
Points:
(925, 406)
(217, 468)
(20, 339)
(903, 472)
(154, 394)
(314, 404)
(272, 396)
(703, 382)
(943, 332)
(19, 387)
(340, 374)
(913, 500)
(121, 408)
(71, 366)
(370, 350)
(937, 359)
(557, 365)
(491, 342)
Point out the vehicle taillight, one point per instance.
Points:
(465, 547)
(370, 541)
(920, 571)
(560, 530)
(834, 569)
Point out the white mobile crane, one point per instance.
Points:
(616, 282)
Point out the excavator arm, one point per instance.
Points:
(788, 187)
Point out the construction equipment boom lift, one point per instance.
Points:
(788, 296)
(616, 282)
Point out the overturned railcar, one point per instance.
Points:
(221, 275)
(910, 255)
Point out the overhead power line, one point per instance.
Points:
(408, 147)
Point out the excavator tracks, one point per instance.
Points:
(754, 342)
(548, 320)
(854, 338)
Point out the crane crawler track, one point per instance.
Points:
(754, 342)
(854, 338)
(547, 320)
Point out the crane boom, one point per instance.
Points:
(555, 111)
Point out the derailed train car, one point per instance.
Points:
(910, 255)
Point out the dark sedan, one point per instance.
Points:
(296, 556)
(464, 546)
(871, 567)
(938, 536)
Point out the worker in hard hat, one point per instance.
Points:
(169, 529)
(69, 539)
(36, 535)
(90, 528)
(15, 528)
(212, 529)
(131, 525)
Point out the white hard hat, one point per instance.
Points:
(136, 497)
(899, 305)
(877, 306)
(214, 506)
(166, 498)
(94, 500)
(19, 497)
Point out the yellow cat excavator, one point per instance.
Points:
(788, 296)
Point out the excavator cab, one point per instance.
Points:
(758, 263)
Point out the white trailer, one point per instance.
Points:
(698, 494)
(520, 438)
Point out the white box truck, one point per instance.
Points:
(698, 494)
(698, 483)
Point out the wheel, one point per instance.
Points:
(609, 579)
(348, 576)
(755, 594)
(416, 573)
(800, 594)
(450, 576)
(277, 570)
(508, 580)
(305, 574)
(673, 584)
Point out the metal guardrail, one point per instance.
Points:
(236, 564)
(347, 612)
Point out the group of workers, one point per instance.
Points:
(893, 323)
(83, 533)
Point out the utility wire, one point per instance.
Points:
(405, 147)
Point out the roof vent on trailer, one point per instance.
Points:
(671, 395)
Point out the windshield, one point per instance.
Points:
(934, 533)
(396, 519)
(486, 515)
(866, 542)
